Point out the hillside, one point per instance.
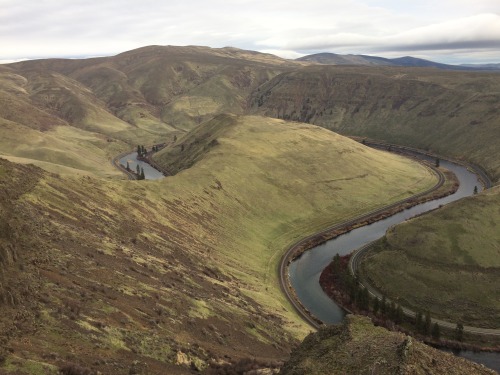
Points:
(358, 347)
(99, 107)
(448, 260)
(170, 276)
(74, 115)
(154, 89)
(451, 113)
(164, 276)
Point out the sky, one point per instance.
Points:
(447, 31)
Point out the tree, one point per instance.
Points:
(336, 264)
(437, 162)
(427, 323)
(383, 306)
(475, 190)
(128, 166)
(435, 331)
(399, 315)
(376, 306)
(139, 150)
(392, 311)
(143, 177)
(138, 170)
(459, 332)
(418, 321)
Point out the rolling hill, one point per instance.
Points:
(449, 113)
(448, 260)
(178, 273)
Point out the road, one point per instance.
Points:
(354, 263)
(116, 162)
(288, 256)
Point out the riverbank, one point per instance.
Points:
(447, 184)
(338, 283)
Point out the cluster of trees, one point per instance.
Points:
(141, 151)
(139, 171)
(357, 295)
(360, 297)
(423, 325)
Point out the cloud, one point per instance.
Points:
(66, 28)
(481, 31)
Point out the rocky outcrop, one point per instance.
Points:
(359, 347)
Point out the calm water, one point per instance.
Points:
(304, 272)
(149, 172)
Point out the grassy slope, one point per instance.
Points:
(362, 348)
(446, 261)
(283, 194)
(184, 269)
(452, 113)
(73, 107)
(151, 88)
(63, 149)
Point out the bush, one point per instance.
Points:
(72, 369)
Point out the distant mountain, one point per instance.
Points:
(408, 61)
(336, 59)
(483, 66)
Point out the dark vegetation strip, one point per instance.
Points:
(340, 284)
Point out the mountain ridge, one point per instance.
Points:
(328, 58)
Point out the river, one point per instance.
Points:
(304, 272)
(149, 172)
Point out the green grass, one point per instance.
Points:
(285, 181)
(445, 261)
(448, 112)
(194, 257)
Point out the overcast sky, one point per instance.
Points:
(449, 31)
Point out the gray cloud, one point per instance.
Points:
(66, 28)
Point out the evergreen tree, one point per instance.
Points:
(364, 300)
(392, 311)
(376, 306)
(143, 177)
(128, 166)
(383, 306)
(435, 331)
(139, 150)
(418, 322)
(437, 162)
(459, 332)
(138, 170)
(336, 264)
(475, 190)
(399, 314)
(427, 323)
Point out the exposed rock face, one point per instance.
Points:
(358, 347)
